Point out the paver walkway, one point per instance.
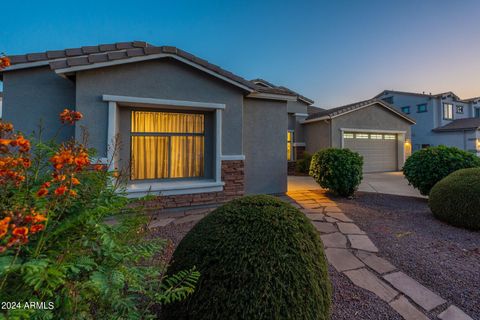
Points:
(349, 250)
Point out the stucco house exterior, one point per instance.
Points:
(1, 102)
(190, 132)
(441, 119)
(373, 128)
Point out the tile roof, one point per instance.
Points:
(265, 84)
(330, 113)
(460, 125)
(313, 109)
(104, 53)
(427, 95)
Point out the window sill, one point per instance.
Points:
(140, 189)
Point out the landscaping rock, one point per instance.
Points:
(189, 218)
(342, 259)
(160, 223)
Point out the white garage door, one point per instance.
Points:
(379, 150)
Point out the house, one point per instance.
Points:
(1, 101)
(373, 128)
(441, 119)
(189, 131)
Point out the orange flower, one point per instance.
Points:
(98, 167)
(73, 193)
(5, 142)
(23, 144)
(3, 230)
(70, 116)
(4, 62)
(37, 227)
(3, 249)
(20, 232)
(39, 218)
(46, 185)
(42, 192)
(60, 190)
(75, 181)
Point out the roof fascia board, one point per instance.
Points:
(167, 102)
(371, 104)
(316, 119)
(150, 57)
(270, 96)
(28, 65)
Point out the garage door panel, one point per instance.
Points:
(379, 150)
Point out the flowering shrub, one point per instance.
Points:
(4, 61)
(56, 246)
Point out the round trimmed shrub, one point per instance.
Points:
(424, 168)
(455, 199)
(338, 170)
(259, 258)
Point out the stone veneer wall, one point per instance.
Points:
(232, 174)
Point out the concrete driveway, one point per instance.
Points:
(383, 182)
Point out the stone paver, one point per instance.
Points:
(414, 290)
(367, 280)
(333, 209)
(349, 228)
(342, 259)
(362, 242)
(406, 309)
(339, 216)
(375, 262)
(454, 313)
(316, 216)
(334, 240)
(330, 219)
(312, 211)
(160, 223)
(324, 227)
(311, 205)
(189, 218)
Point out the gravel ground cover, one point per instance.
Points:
(445, 259)
(349, 301)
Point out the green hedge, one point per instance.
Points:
(338, 170)
(303, 165)
(424, 168)
(259, 258)
(456, 199)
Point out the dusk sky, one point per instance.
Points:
(334, 52)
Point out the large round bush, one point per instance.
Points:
(259, 258)
(456, 200)
(338, 170)
(424, 168)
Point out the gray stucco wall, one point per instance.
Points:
(161, 79)
(296, 107)
(264, 144)
(317, 135)
(36, 96)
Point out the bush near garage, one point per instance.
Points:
(303, 165)
(455, 199)
(338, 170)
(424, 168)
(259, 258)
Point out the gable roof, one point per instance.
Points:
(460, 125)
(426, 95)
(68, 61)
(313, 109)
(265, 84)
(339, 111)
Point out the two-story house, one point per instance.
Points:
(441, 119)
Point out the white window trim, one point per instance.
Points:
(171, 187)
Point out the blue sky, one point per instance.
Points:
(334, 52)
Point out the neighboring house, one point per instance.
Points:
(1, 101)
(441, 119)
(373, 128)
(189, 130)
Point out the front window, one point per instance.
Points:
(388, 100)
(448, 111)
(422, 108)
(167, 145)
(459, 109)
(289, 145)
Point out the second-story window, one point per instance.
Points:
(422, 108)
(448, 111)
(406, 110)
(388, 100)
(459, 109)
(477, 112)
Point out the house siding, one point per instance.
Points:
(317, 135)
(36, 96)
(264, 143)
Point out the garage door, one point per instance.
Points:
(379, 150)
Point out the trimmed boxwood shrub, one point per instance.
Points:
(424, 168)
(259, 258)
(338, 170)
(455, 199)
(303, 165)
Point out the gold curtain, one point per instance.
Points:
(169, 155)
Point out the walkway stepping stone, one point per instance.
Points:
(406, 309)
(332, 209)
(190, 218)
(330, 219)
(160, 223)
(324, 227)
(349, 228)
(339, 216)
(342, 259)
(315, 216)
(362, 242)
(310, 205)
(454, 313)
(375, 262)
(367, 280)
(312, 211)
(334, 240)
(425, 298)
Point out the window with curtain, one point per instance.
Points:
(167, 145)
